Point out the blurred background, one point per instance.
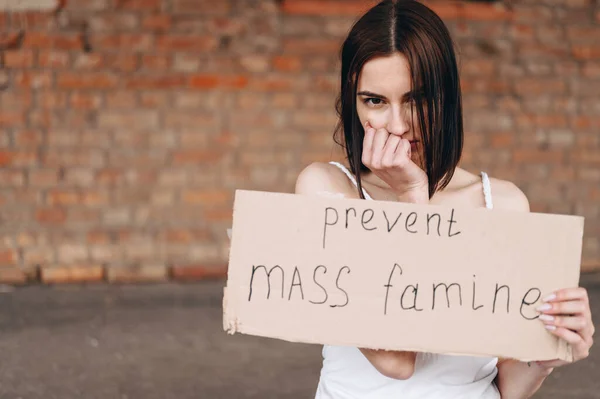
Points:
(127, 125)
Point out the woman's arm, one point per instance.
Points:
(323, 180)
(519, 380)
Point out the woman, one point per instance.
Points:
(401, 118)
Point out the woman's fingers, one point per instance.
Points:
(567, 308)
(379, 141)
(567, 294)
(581, 349)
(368, 144)
(575, 323)
(389, 151)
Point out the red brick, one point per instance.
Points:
(544, 121)
(218, 81)
(38, 19)
(51, 99)
(586, 52)
(51, 216)
(12, 119)
(81, 100)
(139, 5)
(44, 40)
(171, 42)
(185, 236)
(183, 120)
(12, 276)
(121, 99)
(87, 80)
(201, 7)
(6, 158)
(34, 80)
(538, 156)
(111, 22)
(72, 274)
(198, 272)
(8, 257)
(502, 140)
(157, 22)
(195, 157)
(287, 64)
(206, 197)
(156, 62)
(271, 83)
(53, 59)
(28, 138)
(123, 41)
(16, 99)
(586, 122)
(218, 215)
(89, 61)
(43, 177)
(154, 99)
(540, 86)
(321, 8)
(11, 178)
(311, 46)
(63, 197)
(544, 51)
(14, 59)
(588, 156)
(285, 101)
(591, 70)
(123, 62)
(167, 81)
(147, 119)
(55, 157)
(83, 217)
(99, 237)
(137, 273)
(18, 158)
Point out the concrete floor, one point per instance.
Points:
(166, 341)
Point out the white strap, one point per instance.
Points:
(352, 179)
(487, 190)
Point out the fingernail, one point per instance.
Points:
(550, 327)
(545, 306)
(546, 317)
(549, 298)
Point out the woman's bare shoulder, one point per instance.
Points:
(467, 186)
(324, 179)
(507, 195)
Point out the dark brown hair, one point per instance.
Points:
(415, 31)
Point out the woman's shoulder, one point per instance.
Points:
(324, 179)
(505, 194)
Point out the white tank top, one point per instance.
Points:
(347, 374)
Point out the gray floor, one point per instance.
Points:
(166, 341)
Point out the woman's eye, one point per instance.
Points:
(373, 101)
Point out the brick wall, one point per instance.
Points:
(126, 125)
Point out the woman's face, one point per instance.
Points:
(385, 99)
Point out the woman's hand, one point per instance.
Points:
(389, 157)
(566, 314)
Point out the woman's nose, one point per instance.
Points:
(399, 122)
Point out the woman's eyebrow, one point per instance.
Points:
(411, 95)
(371, 94)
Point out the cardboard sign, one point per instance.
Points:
(397, 276)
